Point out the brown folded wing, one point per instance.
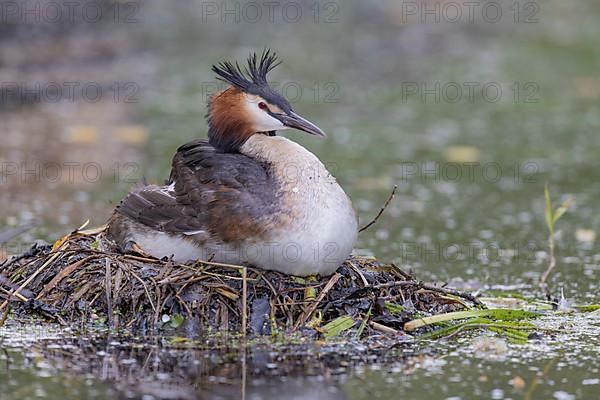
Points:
(227, 195)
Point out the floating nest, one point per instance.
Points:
(82, 278)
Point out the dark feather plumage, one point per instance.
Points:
(230, 196)
(253, 78)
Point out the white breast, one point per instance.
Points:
(321, 230)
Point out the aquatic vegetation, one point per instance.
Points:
(552, 216)
(505, 322)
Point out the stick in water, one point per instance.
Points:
(387, 202)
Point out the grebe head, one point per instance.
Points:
(250, 106)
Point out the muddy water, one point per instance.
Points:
(393, 92)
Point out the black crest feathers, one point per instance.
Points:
(253, 77)
(254, 74)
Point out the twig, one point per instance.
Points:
(552, 262)
(404, 274)
(269, 284)
(306, 314)
(536, 380)
(244, 301)
(29, 253)
(224, 265)
(32, 277)
(454, 292)
(211, 263)
(383, 328)
(107, 282)
(66, 271)
(432, 288)
(360, 274)
(18, 295)
(4, 316)
(204, 274)
(244, 375)
(4, 280)
(141, 259)
(387, 202)
(184, 305)
(143, 284)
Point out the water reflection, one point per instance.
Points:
(48, 363)
(97, 366)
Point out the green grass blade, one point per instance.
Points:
(498, 314)
(337, 326)
(363, 324)
(561, 210)
(587, 308)
(393, 308)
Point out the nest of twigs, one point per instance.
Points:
(83, 278)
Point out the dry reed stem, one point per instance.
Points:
(383, 328)
(360, 274)
(308, 312)
(61, 275)
(32, 277)
(107, 282)
(18, 295)
(145, 289)
(244, 301)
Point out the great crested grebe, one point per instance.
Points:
(245, 195)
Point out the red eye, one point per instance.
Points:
(262, 105)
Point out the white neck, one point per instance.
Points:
(292, 164)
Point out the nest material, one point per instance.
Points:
(83, 278)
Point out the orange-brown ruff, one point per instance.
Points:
(245, 196)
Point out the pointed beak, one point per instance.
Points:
(295, 121)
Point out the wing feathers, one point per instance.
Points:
(227, 194)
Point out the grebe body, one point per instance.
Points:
(245, 195)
